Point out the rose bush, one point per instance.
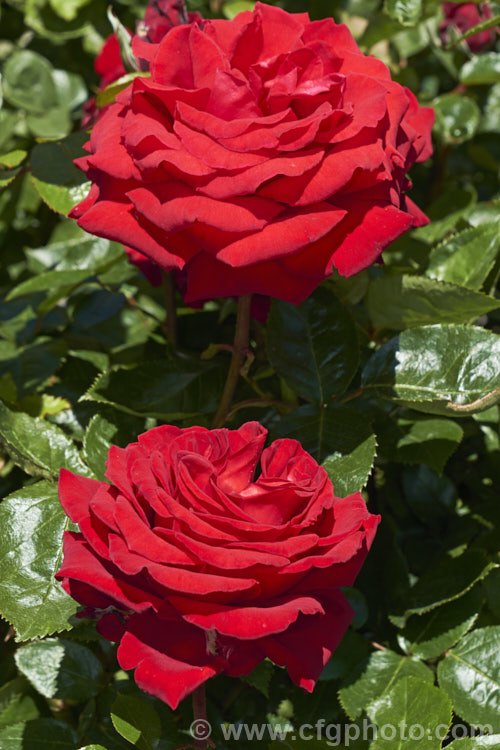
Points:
(262, 153)
(197, 567)
(464, 16)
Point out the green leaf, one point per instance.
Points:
(109, 94)
(457, 118)
(137, 721)
(32, 365)
(260, 677)
(83, 252)
(470, 674)
(400, 302)
(314, 346)
(417, 714)
(68, 9)
(106, 429)
(467, 258)
(28, 82)
(38, 734)
(420, 440)
(381, 673)
(444, 582)
(353, 650)
(13, 158)
(32, 600)
(38, 447)
(490, 122)
(483, 742)
(233, 7)
(407, 12)
(430, 635)
(337, 436)
(61, 669)
(52, 124)
(481, 69)
(440, 369)
(57, 180)
(432, 498)
(16, 704)
(170, 390)
(50, 280)
(93, 747)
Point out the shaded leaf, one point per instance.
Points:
(137, 721)
(38, 734)
(57, 180)
(420, 440)
(467, 258)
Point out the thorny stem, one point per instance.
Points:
(241, 341)
(169, 292)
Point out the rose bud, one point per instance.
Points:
(198, 567)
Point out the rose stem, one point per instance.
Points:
(169, 292)
(241, 341)
(200, 712)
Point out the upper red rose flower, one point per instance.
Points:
(464, 16)
(198, 568)
(261, 153)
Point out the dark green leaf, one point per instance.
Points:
(38, 447)
(430, 635)
(61, 669)
(470, 674)
(352, 651)
(400, 302)
(31, 366)
(481, 69)
(31, 599)
(417, 714)
(383, 670)
(137, 721)
(38, 734)
(337, 436)
(441, 369)
(170, 390)
(105, 429)
(16, 704)
(314, 346)
(483, 742)
(420, 440)
(445, 582)
(260, 677)
(49, 281)
(58, 181)
(467, 258)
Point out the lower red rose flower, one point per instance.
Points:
(197, 567)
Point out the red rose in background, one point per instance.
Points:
(198, 568)
(464, 16)
(163, 15)
(261, 153)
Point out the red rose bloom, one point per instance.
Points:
(261, 153)
(464, 16)
(198, 568)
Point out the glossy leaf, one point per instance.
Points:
(457, 118)
(482, 742)
(37, 446)
(106, 429)
(28, 81)
(470, 674)
(407, 12)
(441, 369)
(31, 599)
(466, 258)
(445, 582)
(416, 713)
(399, 302)
(337, 436)
(61, 669)
(313, 347)
(481, 69)
(383, 670)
